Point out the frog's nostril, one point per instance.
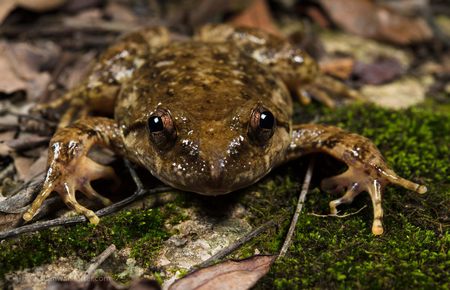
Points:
(217, 170)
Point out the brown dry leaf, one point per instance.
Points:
(236, 275)
(379, 72)
(10, 82)
(369, 19)
(22, 165)
(120, 13)
(38, 166)
(5, 150)
(40, 5)
(27, 141)
(73, 75)
(257, 15)
(6, 6)
(21, 65)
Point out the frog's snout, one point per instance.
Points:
(217, 171)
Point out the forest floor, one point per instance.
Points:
(162, 235)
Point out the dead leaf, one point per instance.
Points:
(257, 15)
(9, 82)
(236, 275)
(73, 75)
(22, 165)
(379, 72)
(27, 141)
(369, 19)
(120, 13)
(37, 167)
(6, 6)
(5, 150)
(40, 5)
(23, 67)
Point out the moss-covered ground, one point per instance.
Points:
(414, 251)
(326, 252)
(141, 230)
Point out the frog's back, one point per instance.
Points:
(207, 80)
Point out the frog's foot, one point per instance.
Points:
(356, 180)
(323, 88)
(66, 180)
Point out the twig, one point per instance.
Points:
(98, 261)
(7, 171)
(301, 201)
(8, 127)
(338, 216)
(64, 221)
(33, 117)
(134, 175)
(236, 245)
(20, 197)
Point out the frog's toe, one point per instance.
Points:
(69, 199)
(93, 194)
(326, 90)
(67, 181)
(355, 181)
(347, 198)
(336, 87)
(313, 92)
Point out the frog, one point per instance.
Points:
(209, 114)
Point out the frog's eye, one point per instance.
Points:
(161, 128)
(262, 125)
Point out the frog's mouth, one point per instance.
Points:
(217, 180)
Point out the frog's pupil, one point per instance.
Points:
(266, 120)
(155, 124)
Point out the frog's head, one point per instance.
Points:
(213, 153)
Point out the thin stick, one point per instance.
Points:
(231, 248)
(301, 201)
(134, 175)
(7, 171)
(32, 117)
(98, 261)
(338, 216)
(65, 221)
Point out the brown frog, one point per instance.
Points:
(208, 115)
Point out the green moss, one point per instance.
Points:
(144, 227)
(342, 253)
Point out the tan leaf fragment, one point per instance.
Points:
(257, 15)
(369, 19)
(6, 6)
(40, 5)
(21, 64)
(234, 275)
(9, 82)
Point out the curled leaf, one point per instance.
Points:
(236, 275)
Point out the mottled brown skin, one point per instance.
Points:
(211, 95)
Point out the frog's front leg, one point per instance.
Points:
(69, 168)
(295, 67)
(367, 170)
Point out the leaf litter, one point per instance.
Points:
(43, 69)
